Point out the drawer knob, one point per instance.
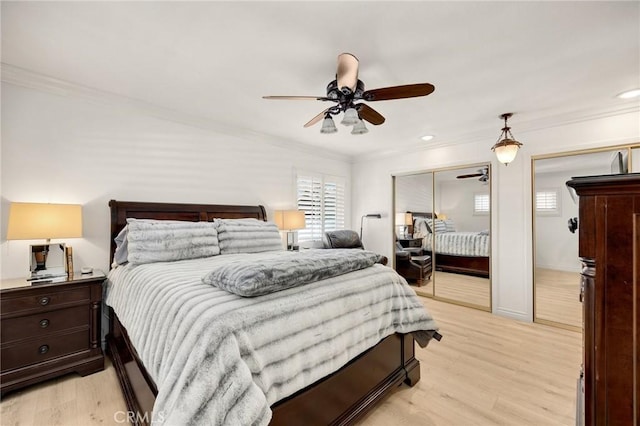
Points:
(43, 349)
(44, 323)
(44, 301)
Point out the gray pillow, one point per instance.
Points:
(247, 236)
(151, 241)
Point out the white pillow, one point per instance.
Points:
(449, 225)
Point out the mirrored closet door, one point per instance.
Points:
(556, 274)
(413, 194)
(462, 238)
(443, 219)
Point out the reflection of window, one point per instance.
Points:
(481, 204)
(322, 200)
(548, 202)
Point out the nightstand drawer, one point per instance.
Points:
(43, 323)
(42, 349)
(44, 300)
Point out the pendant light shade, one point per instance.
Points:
(328, 126)
(507, 147)
(350, 117)
(359, 128)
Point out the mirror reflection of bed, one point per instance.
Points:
(451, 217)
(556, 275)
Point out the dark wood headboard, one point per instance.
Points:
(121, 210)
(428, 215)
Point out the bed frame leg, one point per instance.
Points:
(413, 372)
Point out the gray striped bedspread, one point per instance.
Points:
(221, 359)
(459, 243)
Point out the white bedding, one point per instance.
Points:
(218, 358)
(458, 243)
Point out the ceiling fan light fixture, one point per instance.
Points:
(359, 128)
(507, 147)
(350, 118)
(328, 126)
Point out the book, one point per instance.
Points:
(69, 262)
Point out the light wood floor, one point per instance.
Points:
(487, 370)
(459, 287)
(557, 296)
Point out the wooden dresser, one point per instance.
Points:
(49, 329)
(609, 249)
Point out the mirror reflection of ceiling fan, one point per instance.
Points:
(347, 91)
(483, 175)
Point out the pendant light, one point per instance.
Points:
(507, 147)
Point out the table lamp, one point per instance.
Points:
(35, 221)
(289, 221)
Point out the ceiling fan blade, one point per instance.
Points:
(347, 73)
(469, 176)
(298, 98)
(316, 119)
(369, 114)
(398, 92)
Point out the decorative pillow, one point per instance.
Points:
(449, 225)
(121, 255)
(250, 277)
(420, 227)
(437, 225)
(151, 241)
(247, 236)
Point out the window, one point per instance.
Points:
(481, 204)
(322, 200)
(548, 202)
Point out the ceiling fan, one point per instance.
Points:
(483, 174)
(347, 91)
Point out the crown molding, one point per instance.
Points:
(523, 127)
(33, 80)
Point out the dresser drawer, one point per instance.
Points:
(44, 323)
(44, 300)
(42, 349)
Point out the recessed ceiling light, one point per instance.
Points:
(427, 137)
(629, 94)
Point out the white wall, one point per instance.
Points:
(556, 247)
(455, 199)
(511, 196)
(66, 149)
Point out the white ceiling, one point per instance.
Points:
(549, 62)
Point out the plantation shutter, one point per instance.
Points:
(547, 201)
(481, 203)
(322, 199)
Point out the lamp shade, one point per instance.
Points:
(289, 220)
(31, 221)
(506, 150)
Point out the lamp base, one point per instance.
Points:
(47, 260)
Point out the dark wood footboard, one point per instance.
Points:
(338, 399)
(469, 265)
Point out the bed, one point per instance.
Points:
(339, 397)
(458, 252)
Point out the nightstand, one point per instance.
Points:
(410, 242)
(49, 329)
